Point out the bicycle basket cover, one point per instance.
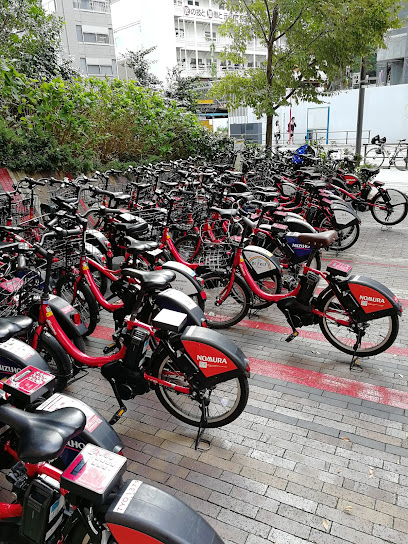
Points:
(376, 139)
(301, 151)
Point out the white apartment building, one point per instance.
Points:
(87, 35)
(185, 33)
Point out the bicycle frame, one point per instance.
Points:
(47, 318)
(239, 263)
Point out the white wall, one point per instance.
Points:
(385, 113)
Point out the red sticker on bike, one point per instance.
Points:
(211, 361)
(369, 299)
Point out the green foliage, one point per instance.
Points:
(137, 61)
(185, 90)
(81, 125)
(308, 43)
(30, 39)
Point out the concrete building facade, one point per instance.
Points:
(392, 62)
(87, 35)
(185, 33)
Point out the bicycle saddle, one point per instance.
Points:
(132, 228)
(43, 435)
(135, 246)
(151, 281)
(372, 171)
(318, 240)
(224, 213)
(10, 326)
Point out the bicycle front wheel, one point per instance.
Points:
(401, 160)
(84, 302)
(374, 157)
(189, 247)
(392, 212)
(222, 314)
(227, 400)
(379, 334)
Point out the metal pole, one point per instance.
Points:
(360, 113)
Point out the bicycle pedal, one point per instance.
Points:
(109, 348)
(115, 418)
(292, 336)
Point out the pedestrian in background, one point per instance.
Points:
(277, 132)
(291, 129)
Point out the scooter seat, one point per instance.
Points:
(151, 281)
(10, 326)
(135, 246)
(43, 435)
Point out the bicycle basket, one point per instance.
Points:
(376, 139)
(215, 255)
(16, 293)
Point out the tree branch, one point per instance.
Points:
(290, 26)
(269, 18)
(257, 20)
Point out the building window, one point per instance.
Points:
(208, 36)
(99, 70)
(101, 6)
(82, 62)
(103, 36)
(179, 33)
(193, 2)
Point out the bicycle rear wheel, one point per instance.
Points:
(401, 160)
(347, 236)
(375, 157)
(84, 302)
(392, 212)
(379, 334)
(227, 399)
(221, 315)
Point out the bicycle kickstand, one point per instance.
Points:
(295, 333)
(355, 363)
(202, 426)
(122, 408)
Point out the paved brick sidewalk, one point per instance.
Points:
(302, 464)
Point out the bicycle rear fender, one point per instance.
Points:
(147, 515)
(374, 298)
(217, 357)
(261, 260)
(177, 301)
(97, 430)
(186, 280)
(15, 355)
(344, 216)
(68, 318)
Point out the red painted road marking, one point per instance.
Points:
(325, 382)
(311, 335)
(310, 378)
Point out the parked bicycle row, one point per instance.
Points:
(217, 232)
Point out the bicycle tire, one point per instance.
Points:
(232, 394)
(56, 358)
(400, 202)
(270, 283)
(187, 246)
(401, 160)
(330, 303)
(100, 279)
(373, 158)
(85, 302)
(239, 300)
(347, 236)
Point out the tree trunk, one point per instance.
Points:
(269, 119)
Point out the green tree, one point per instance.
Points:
(308, 42)
(184, 90)
(31, 40)
(137, 61)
